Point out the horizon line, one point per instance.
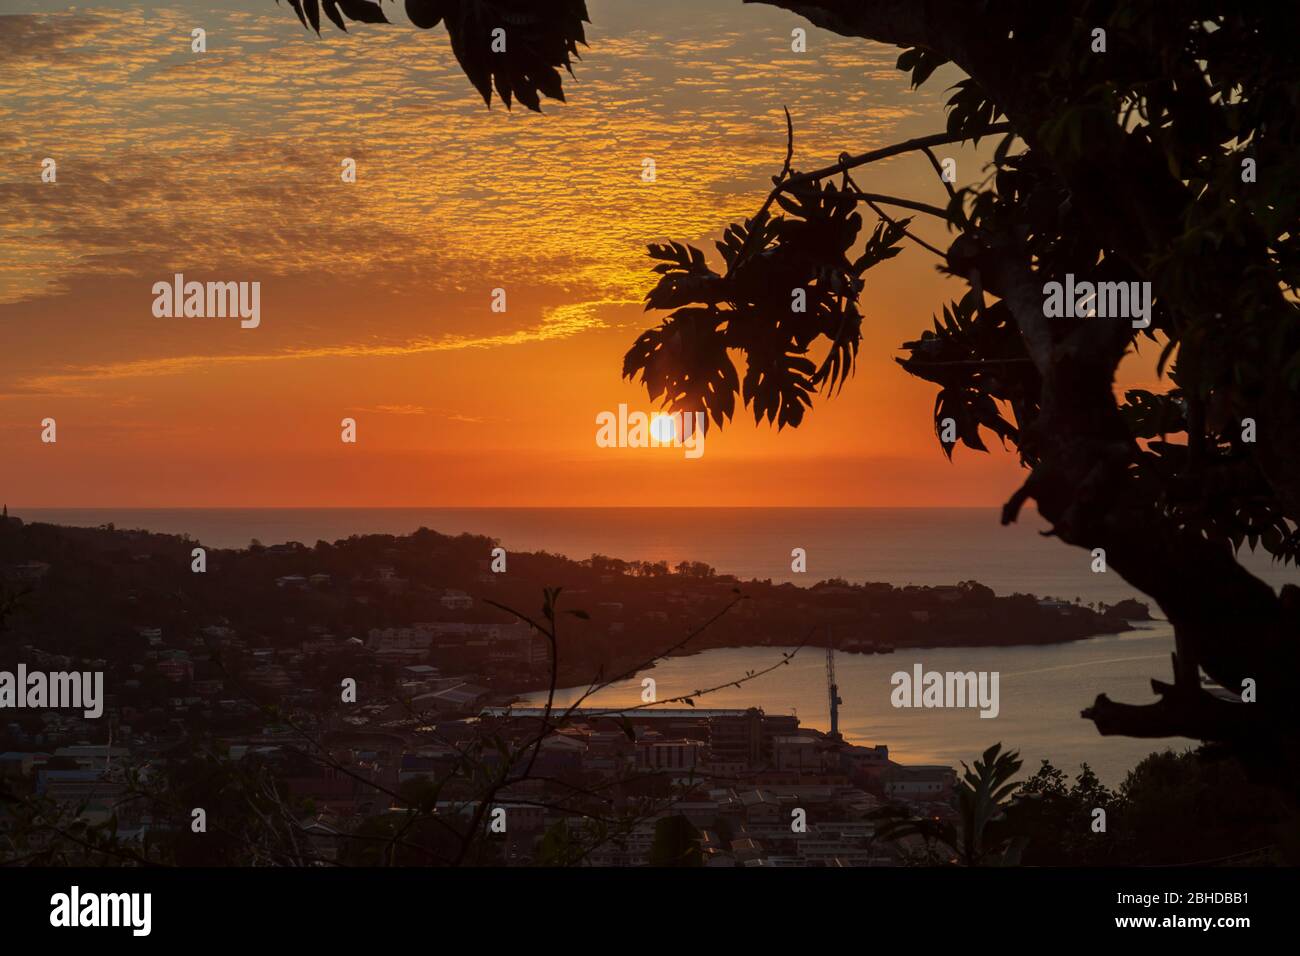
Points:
(452, 507)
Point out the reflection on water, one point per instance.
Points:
(1042, 691)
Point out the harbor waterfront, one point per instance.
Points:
(1043, 689)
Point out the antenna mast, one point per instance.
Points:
(832, 688)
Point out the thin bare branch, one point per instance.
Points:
(862, 159)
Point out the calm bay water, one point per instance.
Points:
(1041, 691)
(1042, 688)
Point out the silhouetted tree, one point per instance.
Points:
(1123, 166)
(676, 843)
(539, 38)
(981, 836)
(1117, 167)
(1057, 818)
(1138, 142)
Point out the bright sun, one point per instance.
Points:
(663, 428)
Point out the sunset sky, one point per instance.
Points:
(376, 296)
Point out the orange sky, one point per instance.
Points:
(376, 296)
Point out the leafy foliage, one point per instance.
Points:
(787, 284)
(977, 358)
(920, 62)
(1171, 161)
(1196, 91)
(541, 37)
(338, 12)
(982, 796)
(1057, 819)
(676, 843)
(1172, 809)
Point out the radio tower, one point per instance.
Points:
(832, 687)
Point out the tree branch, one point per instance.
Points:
(906, 146)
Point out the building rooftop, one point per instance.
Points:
(637, 712)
